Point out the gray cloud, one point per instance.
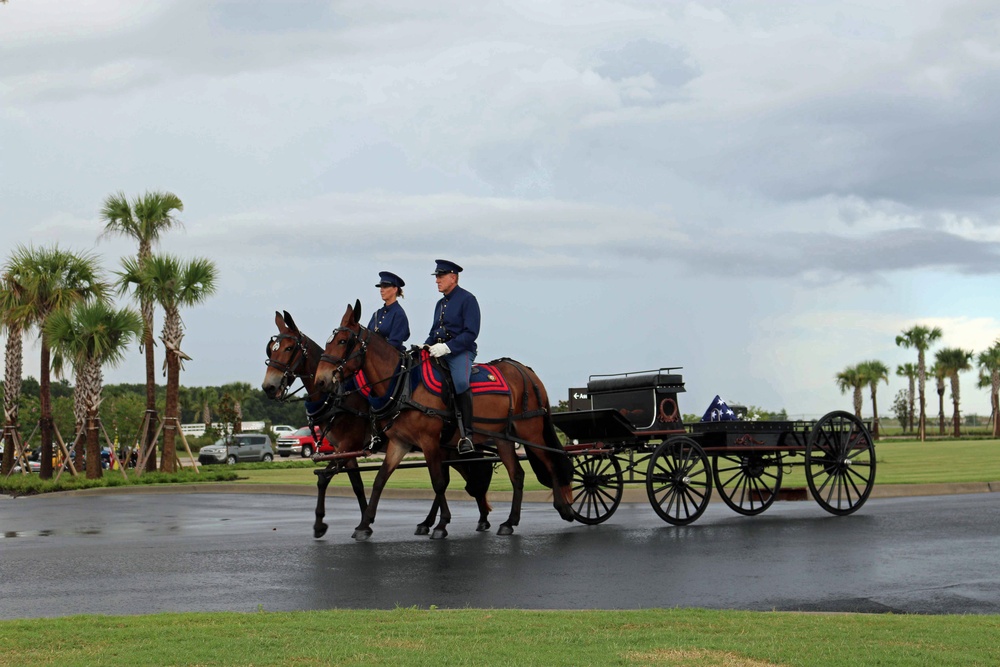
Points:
(832, 258)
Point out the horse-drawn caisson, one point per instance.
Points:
(632, 432)
(364, 393)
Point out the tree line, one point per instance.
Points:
(948, 363)
(66, 299)
(123, 405)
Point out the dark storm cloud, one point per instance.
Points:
(187, 39)
(832, 258)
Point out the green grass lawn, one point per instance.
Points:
(511, 637)
(505, 637)
(898, 462)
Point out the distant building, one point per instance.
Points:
(198, 430)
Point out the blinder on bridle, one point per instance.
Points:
(354, 339)
(288, 370)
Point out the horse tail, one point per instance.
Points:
(477, 479)
(538, 467)
(561, 462)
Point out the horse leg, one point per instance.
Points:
(439, 481)
(357, 484)
(322, 481)
(484, 513)
(424, 527)
(516, 473)
(477, 483)
(394, 454)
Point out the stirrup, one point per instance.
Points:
(465, 446)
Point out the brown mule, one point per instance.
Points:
(291, 355)
(418, 422)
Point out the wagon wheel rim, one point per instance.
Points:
(679, 481)
(840, 463)
(597, 488)
(748, 483)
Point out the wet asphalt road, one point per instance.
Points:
(136, 554)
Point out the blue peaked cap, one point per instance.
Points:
(389, 279)
(444, 266)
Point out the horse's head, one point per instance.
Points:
(345, 350)
(286, 357)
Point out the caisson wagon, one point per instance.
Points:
(630, 431)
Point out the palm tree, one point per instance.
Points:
(91, 336)
(13, 321)
(920, 337)
(989, 366)
(873, 372)
(938, 372)
(53, 280)
(239, 392)
(909, 371)
(172, 284)
(953, 361)
(144, 219)
(851, 378)
(206, 397)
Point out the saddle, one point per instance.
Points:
(484, 379)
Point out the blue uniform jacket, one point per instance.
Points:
(456, 321)
(390, 322)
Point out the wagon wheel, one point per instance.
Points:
(679, 481)
(748, 482)
(840, 463)
(597, 488)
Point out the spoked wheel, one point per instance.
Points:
(840, 463)
(597, 488)
(747, 482)
(679, 481)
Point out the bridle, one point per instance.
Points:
(290, 370)
(354, 340)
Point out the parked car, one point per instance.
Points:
(105, 458)
(282, 429)
(239, 447)
(303, 443)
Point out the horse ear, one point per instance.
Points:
(278, 322)
(290, 322)
(357, 310)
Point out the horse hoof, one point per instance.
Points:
(505, 529)
(483, 526)
(362, 535)
(439, 534)
(319, 531)
(422, 530)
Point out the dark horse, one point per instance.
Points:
(344, 418)
(419, 419)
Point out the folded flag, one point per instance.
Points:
(718, 411)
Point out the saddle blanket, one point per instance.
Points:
(484, 379)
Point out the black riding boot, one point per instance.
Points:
(463, 406)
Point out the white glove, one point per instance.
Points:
(439, 349)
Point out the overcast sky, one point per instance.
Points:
(761, 193)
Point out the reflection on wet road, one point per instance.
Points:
(138, 553)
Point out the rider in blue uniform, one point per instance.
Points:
(453, 338)
(390, 320)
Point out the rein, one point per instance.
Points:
(401, 392)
